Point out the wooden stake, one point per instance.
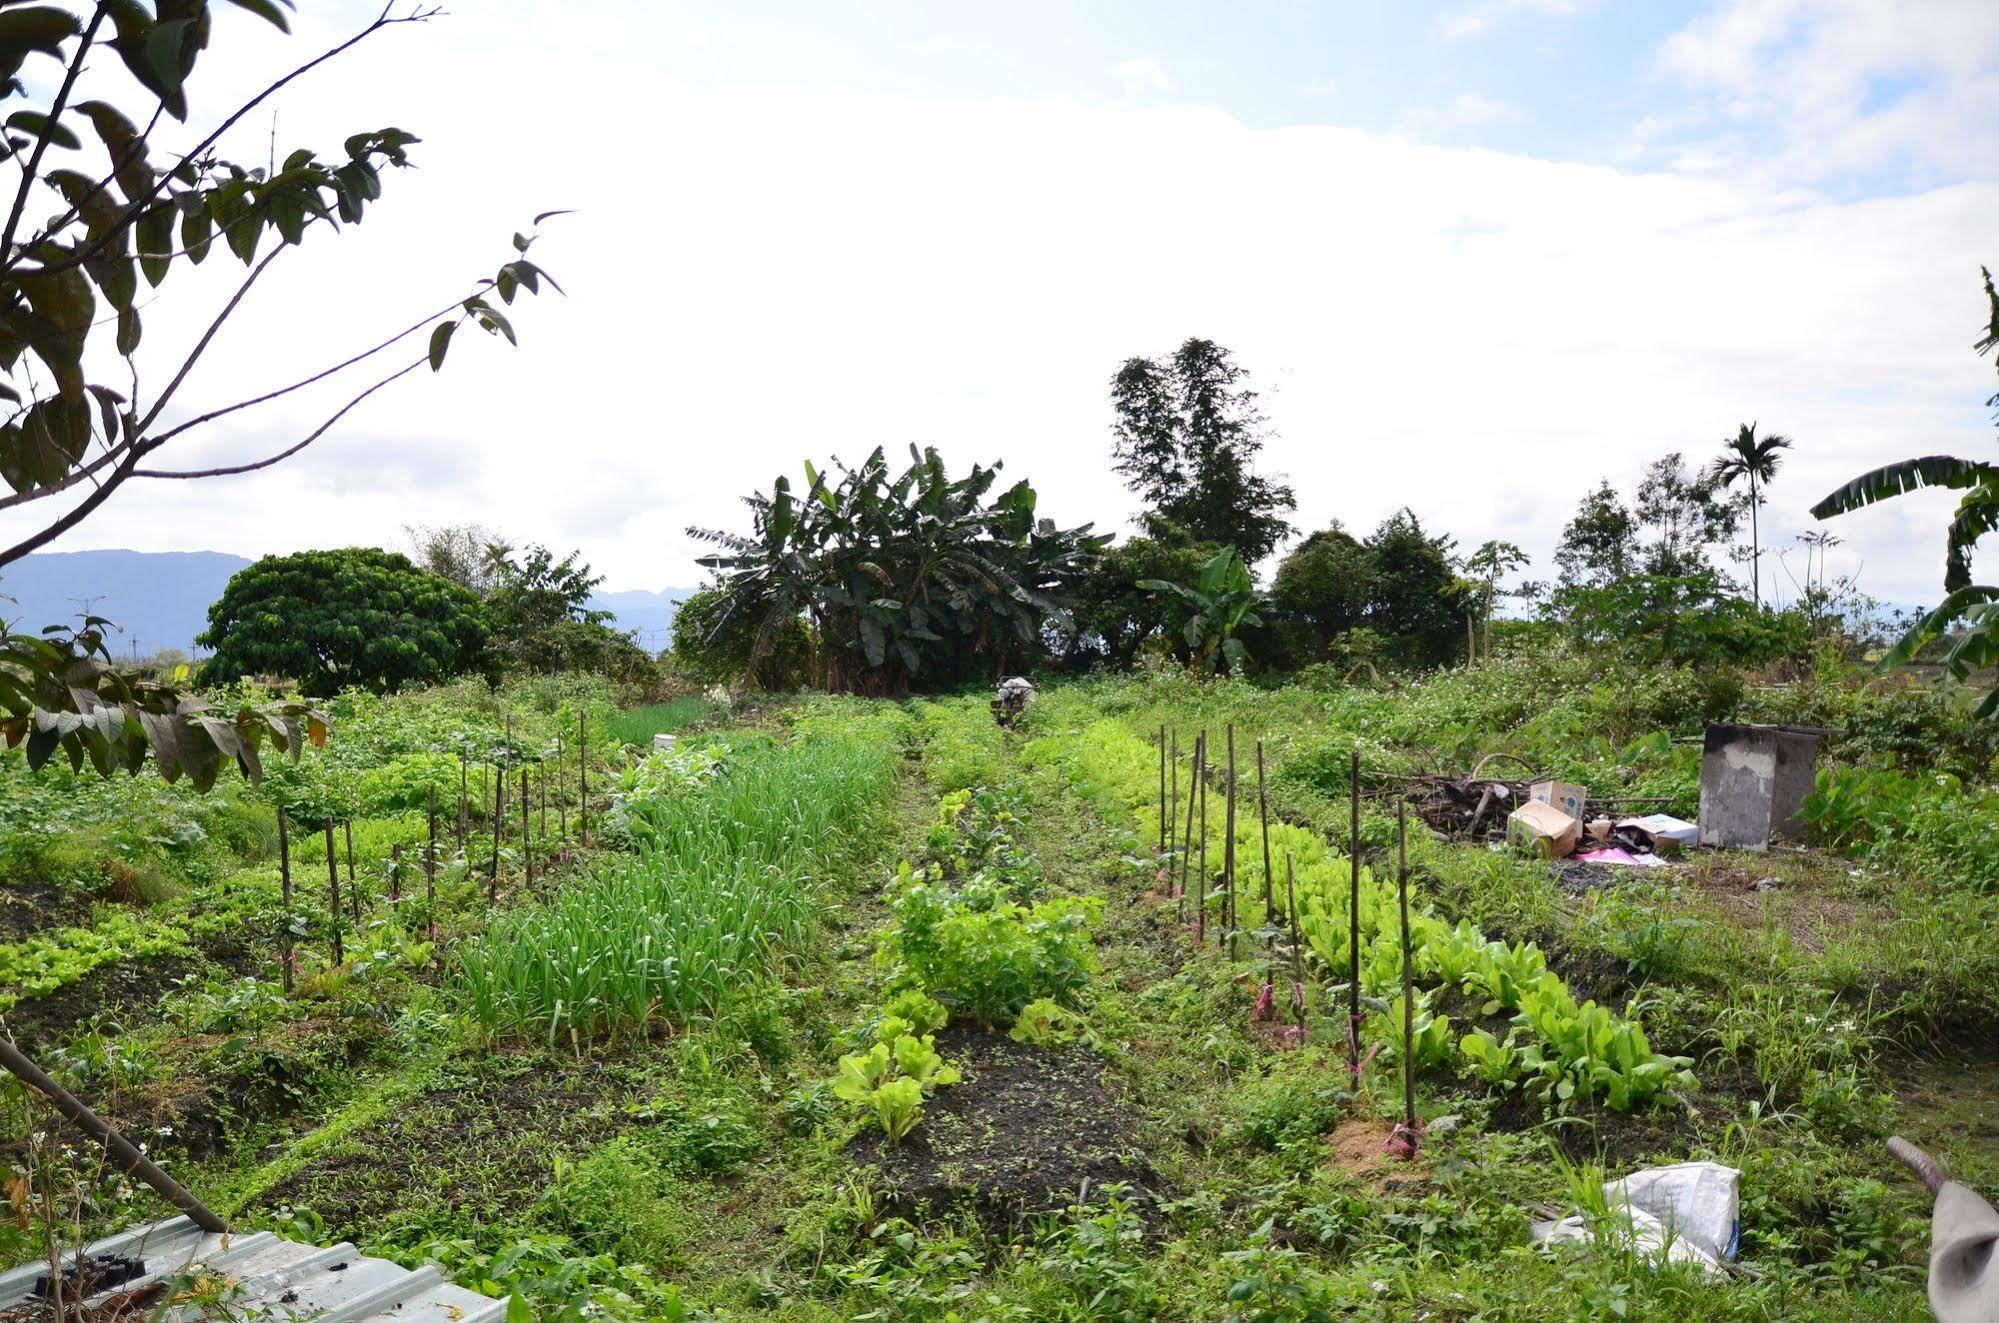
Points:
(353, 888)
(333, 893)
(1201, 882)
(464, 775)
(1173, 799)
(1408, 968)
(541, 793)
(1263, 815)
(583, 778)
(1228, 851)
(499, 823)
(1163, 839)
(396, 876)
(527, 852)
(287, 954)
(561, 810)
(1187, 835)
(1297, 947)
(1353, 917)
(430, 867)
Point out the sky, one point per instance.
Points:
(1476, 255)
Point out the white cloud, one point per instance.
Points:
(758, 276)
(1323, 87)
(1476, 19)
(1467, 110)
(1141, 75)
(1813, 89)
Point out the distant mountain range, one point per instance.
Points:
(161, 598)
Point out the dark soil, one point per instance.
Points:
(485, 1147)
(109, 993)
(1029, 1130)
(28, 907)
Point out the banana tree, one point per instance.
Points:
(1969, 611)
(901, 575)
(1224, 602)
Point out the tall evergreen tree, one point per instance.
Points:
(1185, 438)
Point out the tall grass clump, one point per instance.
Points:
(639, 725)
(723, 880)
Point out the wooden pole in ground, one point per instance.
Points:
(333, 893)
(1263, 815)
(1173, 799)
(1162, 788)
(1297, 951)
(541, 793)
(353, 888)
(287, 953)
(527, 846)
(1187, 835)
(1408, 968)
(430, 868)
(499, 821)
(464, 775)
(1228, 851)
(1201, 882)
(1353, 917)
(561, 809)
(396, 876)
(583, 778)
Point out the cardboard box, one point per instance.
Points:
(1544, 829)
(1569, 799)
(1669, 834)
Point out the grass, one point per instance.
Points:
(640, 724)
(722, 883)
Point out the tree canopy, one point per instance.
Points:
(1186, 436)
(326, 620)
(905, 578)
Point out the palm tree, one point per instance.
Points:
(1746, 456)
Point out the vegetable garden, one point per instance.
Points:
(851, 1009)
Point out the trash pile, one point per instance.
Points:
(1554, 821)
(1473, 807)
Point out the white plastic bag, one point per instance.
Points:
(1696, 1201)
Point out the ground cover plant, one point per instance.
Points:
(865, 1009)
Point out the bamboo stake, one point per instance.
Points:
(333, 893)
(561, 810)
(464, 775)
(1353, 918)
(541, 793)
(287, 953)
(1173, 800)
(396, 876)
(1228, 851)
(1163, 839)
(1408, 970)
(583, 778)
(1263, 814)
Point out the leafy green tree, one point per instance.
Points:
(1492, 562)
(1321, 592)
(707, 651)
(1221, 603)
(113, 203)
(1969, 612)
(1685, 513)
(539, 618)
(1186, 437)
(1599, 543)
(1415, 598)
(1747, 456)
(902, 575)
(1112, 616)
(326, 620)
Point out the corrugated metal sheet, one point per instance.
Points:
(266, 1276)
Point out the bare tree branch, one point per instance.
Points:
(230, 470)
(228, 309)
